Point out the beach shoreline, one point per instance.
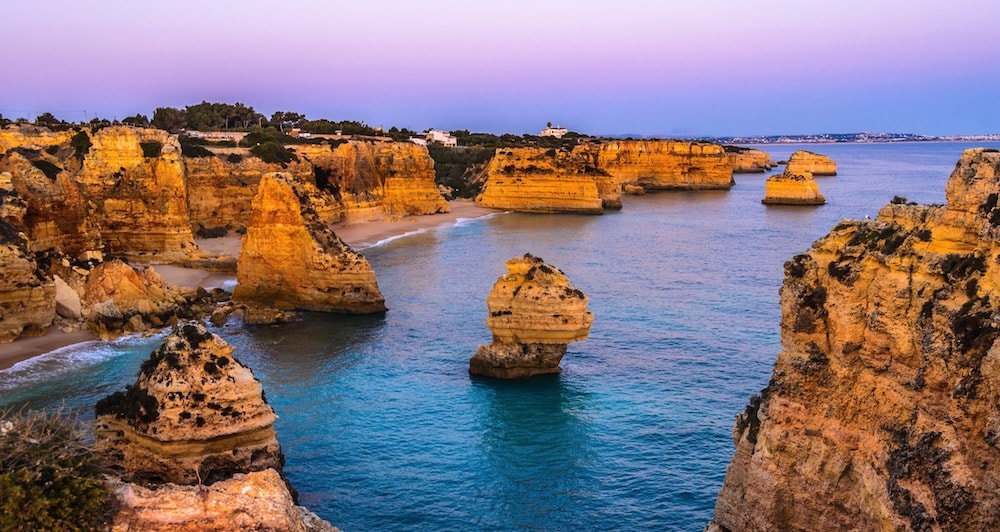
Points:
(359, 235)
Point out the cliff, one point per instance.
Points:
(27, 296)
(665, 164)
(792, 189)
(748, 160)
(290, 259)
(116, 299)
(376, 180)
(814, 163)
(534, 314)
(883, 411)
(542, 181)
(31, 137)
(195, 441)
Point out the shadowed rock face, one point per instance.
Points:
(290, 259)
(792, 189)
(534, 313)
(883, 411)
(748, 160)
(27, 295)
(814, 163)
(195, 415)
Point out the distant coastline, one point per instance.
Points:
(843, 138)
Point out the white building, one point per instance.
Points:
(556, 132)
(418, 141)
(443, 137)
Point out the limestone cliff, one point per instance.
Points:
(883, 411)
(814, 163)
(27, 296)
(542, 181)
(377, 180)
(220, 190)
(116, 298)
(792, 189)
(748, 160)
(290, 259)
(665, 164)
(534, 313)
(31, 137)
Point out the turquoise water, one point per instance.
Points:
(384, 429)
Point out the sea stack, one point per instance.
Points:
(195, 442)
(291, 259)
(543, 181)
(792, 189)
(883, 410)
(533, 313)
(806, 161)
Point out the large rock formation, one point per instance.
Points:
(377, 180)
(27, 295)
(117, 298)
(195, 415)
(542, 181)
(792, 189)
(748, 160)
(814, 163)
(290, 259)
(883, 411)
(31, 137)
(534, 313)
(665, 164)
(195, 441)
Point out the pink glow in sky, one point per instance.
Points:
(668, 68)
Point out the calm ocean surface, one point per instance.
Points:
(384, 429)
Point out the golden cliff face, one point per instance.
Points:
(542, 181)
(534, 313)
(883, 411)
(665, 164)
(748, 160)
(814, 163)
(220, 192)
(290, 259)
(792, 189)
(377, 180)
(27, 297)
(31, 137)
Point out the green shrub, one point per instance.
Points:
(49, 478)
(272, 152)
(189, 148)
(81, 143)
(151, 148)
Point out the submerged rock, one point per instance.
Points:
(792, 189)
(534, 314)
(883, 410)
(290, 259)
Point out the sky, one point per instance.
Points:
(666, 68)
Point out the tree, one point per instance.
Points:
(138, 120)
(280, 119)
(170, 119)
(47, 119)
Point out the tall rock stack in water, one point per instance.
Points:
(883, 411)
(792, 189)
(534, 314)
(814, 163)
(290, 259)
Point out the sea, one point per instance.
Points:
(383, 428)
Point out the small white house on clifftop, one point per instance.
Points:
(442, 137)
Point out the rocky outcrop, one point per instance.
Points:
(664, 164)
(194, 440)
(220, 190)
(376, 180)
(195, 415)
(291, 259)
(251, 501)
(534, 314)
(814, 163)
(792, 189)
(883, 411)
(542, 181)
(748, 160)
(32, 138)
(27, 295)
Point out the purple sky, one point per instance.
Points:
(667, 68)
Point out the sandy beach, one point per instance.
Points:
(358, 235)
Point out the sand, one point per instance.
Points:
(358, 235)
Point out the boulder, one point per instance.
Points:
(68, 303)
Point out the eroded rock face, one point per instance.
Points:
(883, 411)
(117, 298)
(194, 416)
(542, 181)
(27, 295)
(814, 163)
(251, 501)
(665, 164)
(792, 189)
(534, 313)
(748, 160)
(290, 259)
